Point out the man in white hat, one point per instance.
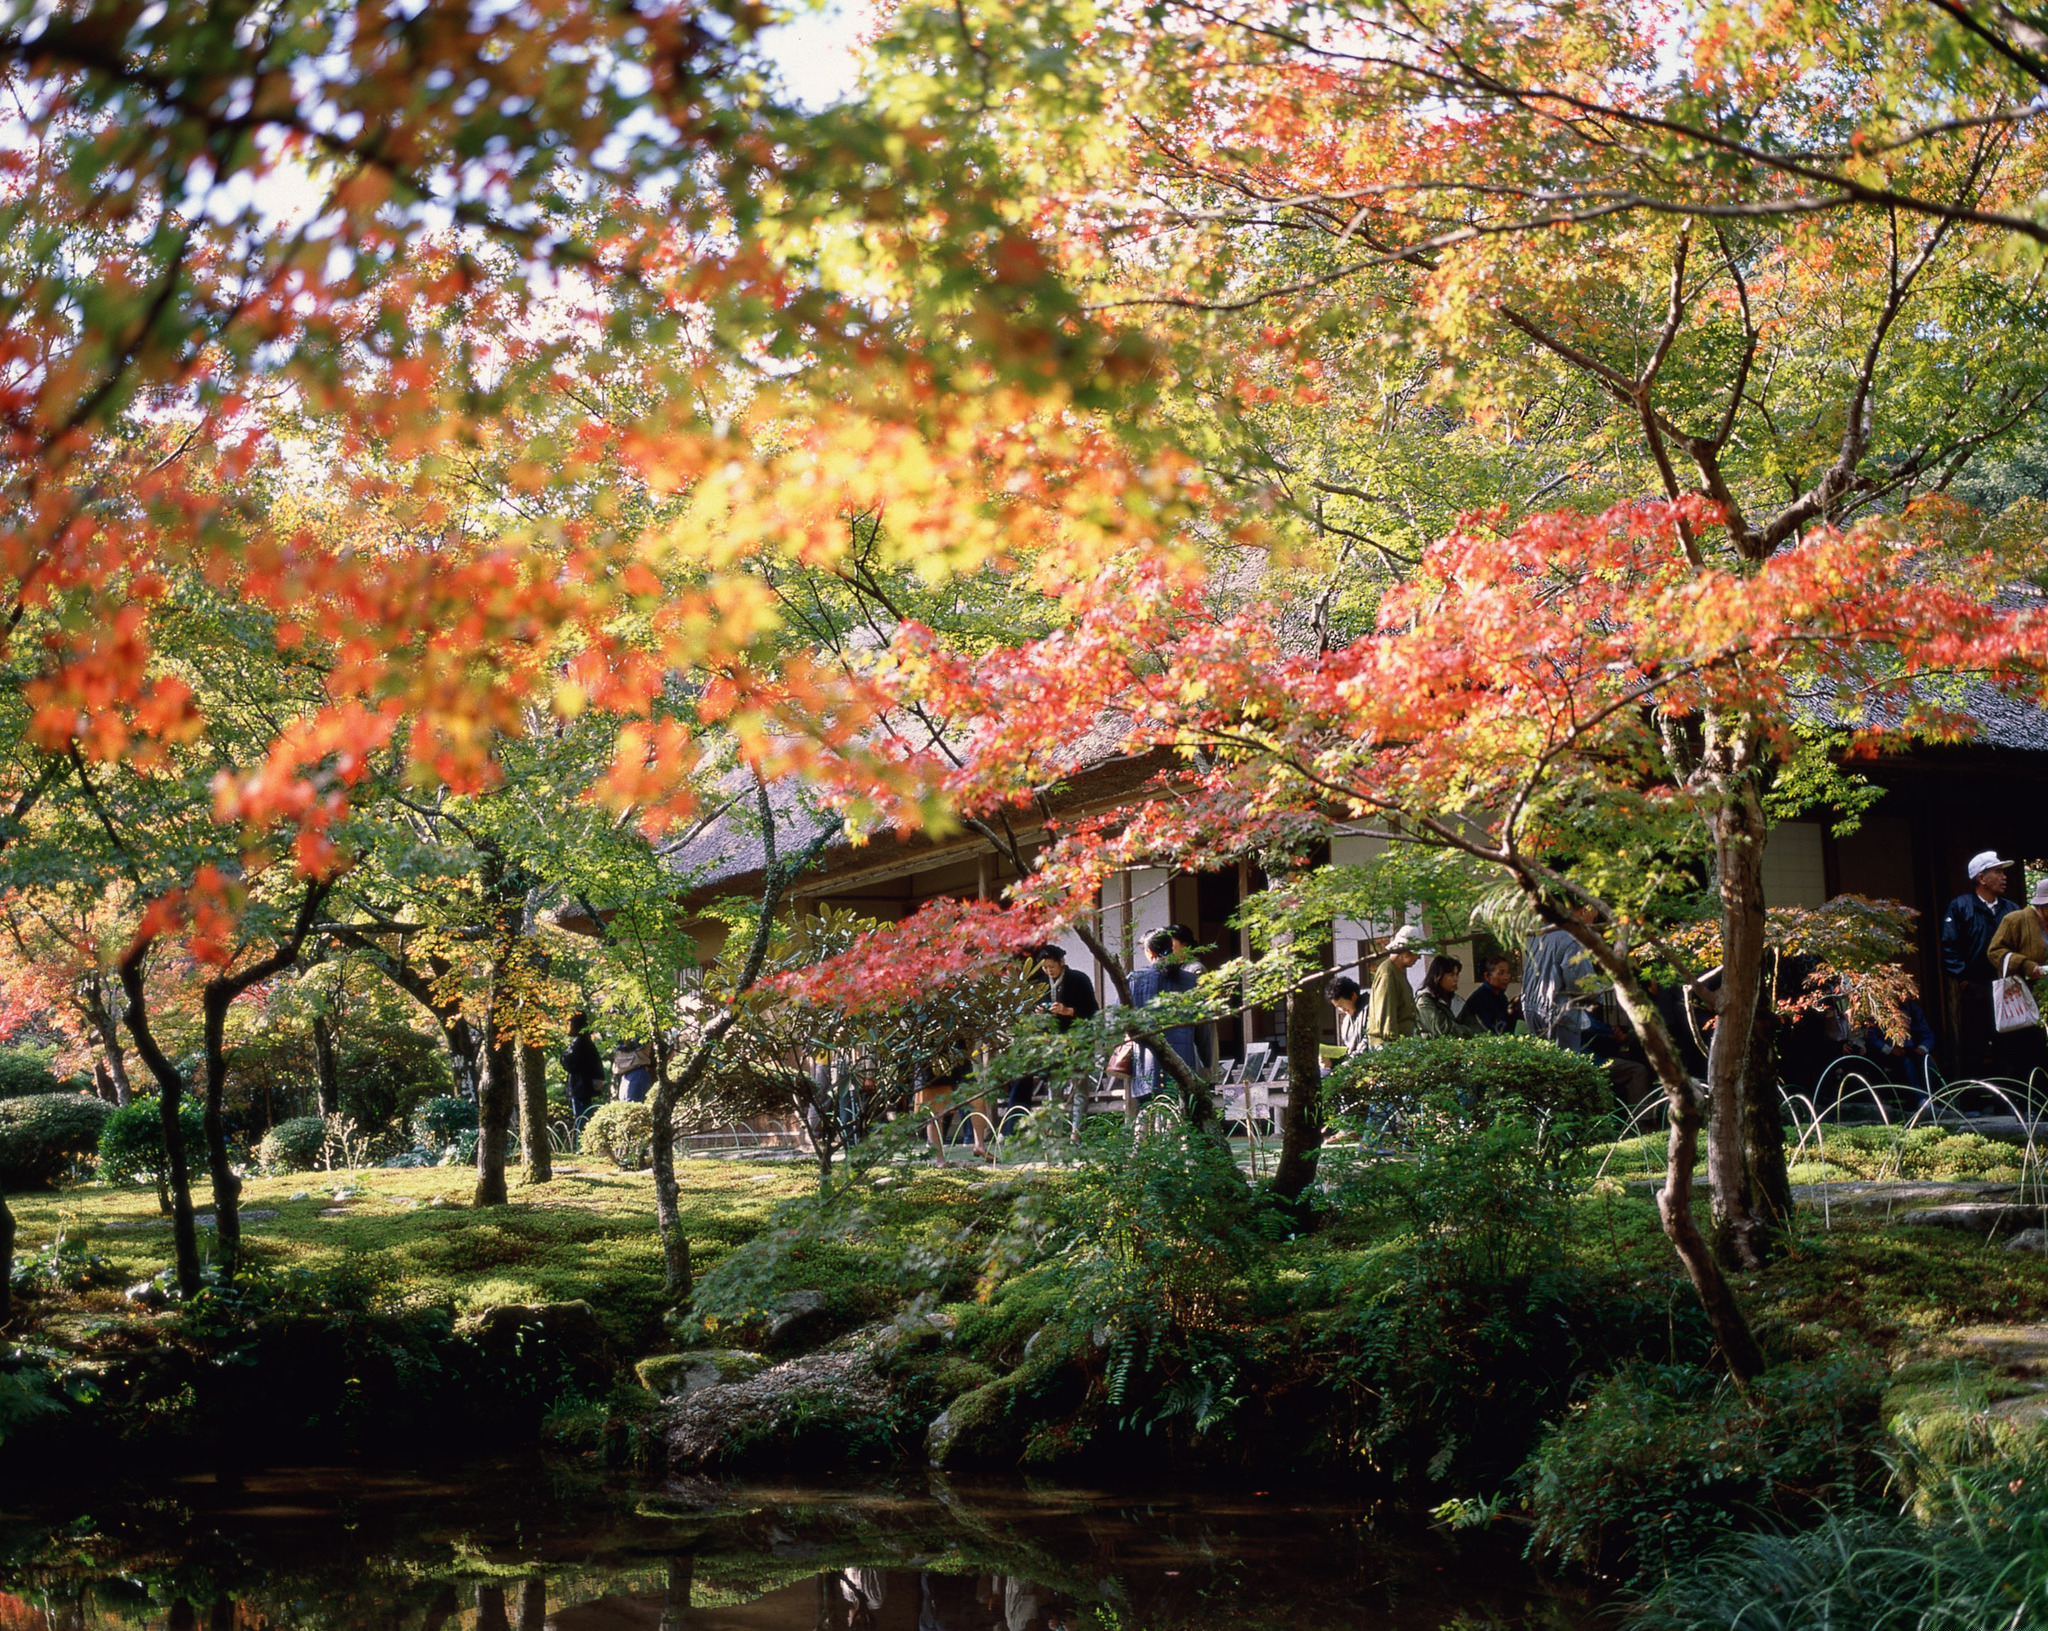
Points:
(1392, 1010)
(1966, 931)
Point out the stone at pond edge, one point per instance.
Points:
(1986, 1219)
(677, 1376)
(822, 1408)
(2028, 1240)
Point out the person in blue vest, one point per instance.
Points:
(1966, 930)
(1173, 967)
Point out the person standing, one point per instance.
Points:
(1967, 928)
(584, 1066)
(1391, 1013)
(1434, 1015)
(1171, 968)
(1068, 996)
(1349, 1002)
(632, 1070)
(1554, 978)
(2019, 945)
(1488, 1008)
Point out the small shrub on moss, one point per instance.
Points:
(293, 1146)
(1663, 1462)
(27, 1071)
(132, 1144)
(620, 1133)
(45, 1136)
(437, 1123)
(1925, 1153)
(1540, 1077)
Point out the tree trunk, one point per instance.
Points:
(106, 1025)
(227, 1188)
(170, 1097)
(1763, 1114)
(326, 1067)
(1738, 1346)
(496, 1090)
(1301, 1127)
(668, 1216)
(535, 1154)
(1739, 834)
(675, 1596)
(6, 1259)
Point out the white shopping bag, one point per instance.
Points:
(2012, 1005)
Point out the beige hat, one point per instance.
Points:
(2041, 893)
(1408, 938)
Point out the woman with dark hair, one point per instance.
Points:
(1434, 1015)
(1349, 1002)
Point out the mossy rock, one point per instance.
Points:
(978, 1429)
(677, 1376)
(993, 1425)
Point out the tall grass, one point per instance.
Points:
(1982, 1567)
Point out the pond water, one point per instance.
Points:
(529, 1547)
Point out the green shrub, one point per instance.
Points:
(132, 1144)
(621, 1133)
(293, 1146)
(27, 1071)
(43, 1136)
(1475, 1072)
(390, 1072)
(1662, 1462)
(439, 1122)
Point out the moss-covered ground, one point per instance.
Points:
(587, 1235)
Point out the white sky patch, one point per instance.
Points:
(818, 52)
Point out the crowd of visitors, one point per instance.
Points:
(1985, 938)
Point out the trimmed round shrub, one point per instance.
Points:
(620, 1133)
(437, 1123)
(132, 1142)
(26, 1072)
(43, 1136)
(1482, 1073)
(293, 1146)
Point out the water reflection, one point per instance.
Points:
(535, 1548)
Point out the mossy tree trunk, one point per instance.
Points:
(496, 1091)
(6, 1259)
(1301, 1124)
(535, 1154)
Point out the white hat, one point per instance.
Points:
(1984, 860)
(1408, 938)
(2041, 893)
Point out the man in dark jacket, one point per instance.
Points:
(1966, 930)
(584, 1066)
(1068, 996)
(1488, 1007)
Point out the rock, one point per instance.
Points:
(302, 1194)
(978, 1429)
(822, 1407)
(2028, 1240)
(1981, 1218)
(798, 1320)
(1875, 1196)
(146, 1294)
(677, 1376)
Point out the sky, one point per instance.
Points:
(816, 52)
